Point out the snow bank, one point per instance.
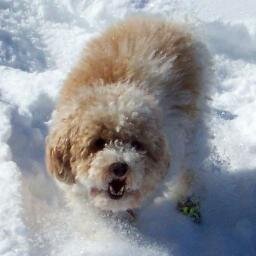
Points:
(39, 42)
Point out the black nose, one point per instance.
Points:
(119, 168)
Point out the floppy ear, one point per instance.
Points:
(58, 159)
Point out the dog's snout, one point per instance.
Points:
(119, 169)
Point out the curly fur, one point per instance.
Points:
(126, 86)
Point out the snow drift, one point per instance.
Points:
(39, 42)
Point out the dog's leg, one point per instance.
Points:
(187, 201)
(182, 191)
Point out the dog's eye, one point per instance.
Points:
(137, 145)
(98, 144)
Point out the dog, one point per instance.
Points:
(113, 136)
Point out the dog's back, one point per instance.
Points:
(143, 50)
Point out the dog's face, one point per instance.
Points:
(109, 144)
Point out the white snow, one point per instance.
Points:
(39, 41)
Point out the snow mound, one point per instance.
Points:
(39, 42)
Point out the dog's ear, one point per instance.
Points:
(58, 160)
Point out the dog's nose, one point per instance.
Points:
(119, 168)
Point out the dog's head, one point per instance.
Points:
(108, 142)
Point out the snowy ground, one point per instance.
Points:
(39, 42)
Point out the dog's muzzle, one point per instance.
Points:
(116, 188)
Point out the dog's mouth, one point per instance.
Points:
(116, 189)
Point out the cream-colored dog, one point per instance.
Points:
(113, 134)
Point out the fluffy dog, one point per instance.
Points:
(111, 139)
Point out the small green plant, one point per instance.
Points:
(190, 208)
